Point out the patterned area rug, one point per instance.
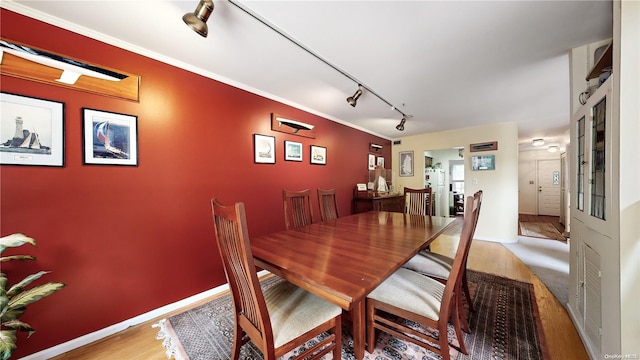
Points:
(540, 230)
(505, 325)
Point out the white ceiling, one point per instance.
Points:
(449, 64)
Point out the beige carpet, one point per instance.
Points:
(540, 230)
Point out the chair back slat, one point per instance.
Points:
(297, 208)
(235, 250)
(328, 204)
(418, 201)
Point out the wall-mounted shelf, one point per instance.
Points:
(605, 61)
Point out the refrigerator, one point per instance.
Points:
(435, 178)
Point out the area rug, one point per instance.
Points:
(540, 230)
(506, 325)
(548, 260)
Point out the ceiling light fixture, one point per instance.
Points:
(352, 100)
(400, 127)
(537, 142)
(361, 86)
(197, 20)
(552, 148)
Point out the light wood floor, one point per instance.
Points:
(562, 339)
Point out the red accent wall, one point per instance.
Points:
(127, 240)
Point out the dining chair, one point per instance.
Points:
(418, 201)
(438, 266)
(328, 204)
(409, 295)
(297, 208)
(280, 318)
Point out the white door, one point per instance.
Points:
(549, 179)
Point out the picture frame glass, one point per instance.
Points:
(264, 149)
(371, 162)
(318, 155)
(484, 162)
(293, 151)
(109, 138)
(406, 163)
(31, 131)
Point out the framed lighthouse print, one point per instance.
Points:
(109, 138)
(31, 131)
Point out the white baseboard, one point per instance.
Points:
(108, 331)
(583, 336)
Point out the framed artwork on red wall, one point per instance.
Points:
(264, 149)
(318, 155)
(109, 138)
(31, 131)
(293, 151)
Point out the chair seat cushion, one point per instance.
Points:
(431, 264)
(294, 311)
(408, 290)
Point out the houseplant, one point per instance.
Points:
(15, 298)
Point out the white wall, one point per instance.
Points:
(528, 180)
(499, 218)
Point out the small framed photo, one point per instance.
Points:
(264, 149)
(318, 155)
(31, 131)
(380, 161)
(292, 151)
(485, 162)
(371, 162)
(109, 138)
(406, 163)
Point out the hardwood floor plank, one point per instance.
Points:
(563, 342)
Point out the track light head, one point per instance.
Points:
(352, 100)
(197, 20)
(400, 127)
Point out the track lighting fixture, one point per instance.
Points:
(400, 126)
(197, 20)
(353, 99)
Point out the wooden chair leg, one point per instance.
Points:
(370, 328)
(238, 334)
(465, 285)
(455, 318)
(337, 351)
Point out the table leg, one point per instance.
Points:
(359, 333)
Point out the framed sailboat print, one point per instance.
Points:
(31, 131)
(109, 138)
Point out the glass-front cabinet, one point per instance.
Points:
(591, 134)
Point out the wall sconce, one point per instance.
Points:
(197, 20)
(353, 99)
(289, 126)
(375, 147)
(537, 142)
(553, 148)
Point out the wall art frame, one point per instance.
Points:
(318, 155)
(483, 162)
(109, 138)
(406, 163)
(380, 161)
(371, 161)
(264, 149)
(32, 131)
(292, 151)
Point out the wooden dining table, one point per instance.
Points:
(343, 260)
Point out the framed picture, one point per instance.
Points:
(264, 149)
(292, 151)
(485, 162)
(31, 131)
(380, 161)
(371, 162)
(109, 138)
(318, 155)
(406, 163)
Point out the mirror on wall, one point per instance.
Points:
(27, 62)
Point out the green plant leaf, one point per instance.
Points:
(7, 343)
(14, 240)
(19, 287)
(18, 325)
(11, 314)
(34, 294)
(17, 257)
